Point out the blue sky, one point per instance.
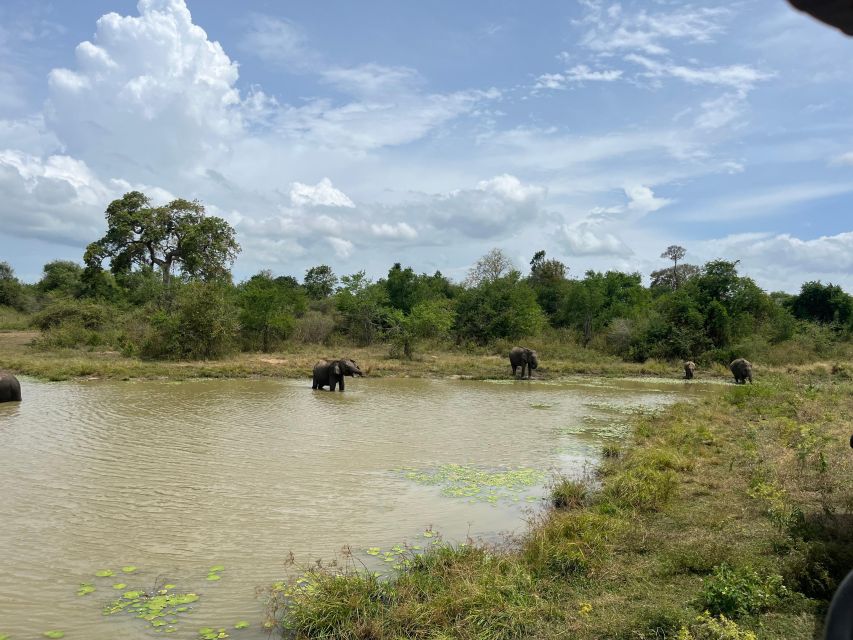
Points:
(362, 134)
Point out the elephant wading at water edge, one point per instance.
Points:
(689, 368)
(329, 373)
(521, 357)
(10, 388)
(741, 370)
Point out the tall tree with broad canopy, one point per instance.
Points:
(674, 253)
(178, 236)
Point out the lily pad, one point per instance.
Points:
(213, 577)
(206, 633)
(373, 551)
(242, 624)
(169, 586)
(217, 567)
(120, 585)
(129, 569)
(104, 573)
(84, 590)
(54, 634)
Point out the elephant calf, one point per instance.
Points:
(689, 368)
(521, 357)
(10, 388)
(329, 373)
(741, 370)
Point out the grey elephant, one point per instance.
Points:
(10, 388)
(741, 370)
(689, 368)
(521, 357)
(329, 373)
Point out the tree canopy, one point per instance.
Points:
(177, 236)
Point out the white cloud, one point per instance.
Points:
(610, 28)
(578, 74)
(777, 260)
(739, 76)
(768, 202)
(321, 194)
(643, 200)
(401, 230)
(589, 237)
(844, 158)
(343, 248)
(279, 41)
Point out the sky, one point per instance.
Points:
(363, 134)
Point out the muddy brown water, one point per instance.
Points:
(174, 478)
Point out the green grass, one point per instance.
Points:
(739, 505)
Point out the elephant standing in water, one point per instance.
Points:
(329, 373)
(689, 368)
(521, 357)
(10, 388)
(741, 370)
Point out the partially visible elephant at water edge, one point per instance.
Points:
(689, 368)
(329, 373)
(521, 357)
(10, 388)
(741, 370)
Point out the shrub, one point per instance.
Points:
(740, 591)
(568, 494)
(707, 627)
(641, 488)
(314, 328)
(568, 543)
(83, 313)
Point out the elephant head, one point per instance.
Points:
(347, 367)
(532, 359)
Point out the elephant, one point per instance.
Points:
(689, 368)
(741, 370)
(521, 356)
(10, 388)
(331, 373)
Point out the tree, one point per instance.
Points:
(268, 309)
(178, 236)
(671, 277)
(363, 305)
(63, 277)
(495, 264)
(501, 308)
(11, 289)
(548, 279)
(674, 253)
(824, 303)
(320, 282)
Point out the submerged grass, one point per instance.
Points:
(729, 518)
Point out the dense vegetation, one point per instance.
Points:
(158, 285)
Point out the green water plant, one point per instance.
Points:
(468, 481)
(104, 573)
(209, 633)
(129, 569)
(242, 624)
(54, 634)
(158, 608)
(84, 590)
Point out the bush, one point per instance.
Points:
(740, 591)
(568, 494)
(568, 543)
(314, 328)
(707, 627)
(201, 325)
(641, 488)
(83, 313)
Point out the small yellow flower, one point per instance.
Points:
(585, 609)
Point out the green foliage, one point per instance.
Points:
(62, 277)
(708, 627)
(11, 289)
(504, 307)
(268, 310)
(176, 236)
(200, 325)
(568, 494)
(363, 306)
(320, 282)
(739, 591)
(827, 304)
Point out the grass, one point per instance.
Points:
(728, 518)
(297, 360)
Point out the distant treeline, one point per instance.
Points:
(158, 285)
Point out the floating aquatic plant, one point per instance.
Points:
(159, 609)
(120, 585)
(213, 574)
(84, 590)
(129, 569)
(207, 633)
(242, 624)
(467, 481)
(104, 573)
(54, 634)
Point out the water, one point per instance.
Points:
(177, 477)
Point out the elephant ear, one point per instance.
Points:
(336, 368)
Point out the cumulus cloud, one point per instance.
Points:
(776, 260)
(590, 237)
(321, 194)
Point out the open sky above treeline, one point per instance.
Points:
(363, 134)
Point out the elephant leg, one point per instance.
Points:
(332, 383)
(341, 383)
(514, 367)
